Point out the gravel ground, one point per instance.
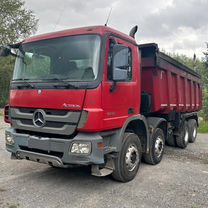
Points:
(180, 180)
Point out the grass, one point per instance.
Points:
(203, 127)
(13, 205)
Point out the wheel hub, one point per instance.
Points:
(194, 132)
(186, 136)
(159, 146)
(132, 157)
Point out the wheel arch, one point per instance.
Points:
(140, 128)
(188, 116)
(155, 122)
(135, 124)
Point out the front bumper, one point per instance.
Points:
(55, 151)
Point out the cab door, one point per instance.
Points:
(120, 99)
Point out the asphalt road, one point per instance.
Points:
(180, 180)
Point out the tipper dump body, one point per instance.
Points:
(171, 85)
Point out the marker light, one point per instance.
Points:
(9, 139)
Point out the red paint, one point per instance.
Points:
(109, 110)
(126, 95)
(83, 30)
(172, 89)
(50, 99)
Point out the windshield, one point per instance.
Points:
(73, 58)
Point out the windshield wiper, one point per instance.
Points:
(26, 83)
(63, 84)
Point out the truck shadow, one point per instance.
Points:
(69, 176)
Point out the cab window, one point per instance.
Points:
(112, 42)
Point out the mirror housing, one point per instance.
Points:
(120, 63)
(5, 51)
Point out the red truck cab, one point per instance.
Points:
(92, 96)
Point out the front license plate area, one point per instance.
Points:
(39, 143)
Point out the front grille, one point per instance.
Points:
(53, 153)
(51, 124)
(47, 111)
(48, 135)
(59, 122)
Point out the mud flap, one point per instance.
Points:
(106, 170)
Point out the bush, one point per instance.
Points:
(203, 127)
(6, 69)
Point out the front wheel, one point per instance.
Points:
(129, 158)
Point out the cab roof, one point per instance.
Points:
(101, 30)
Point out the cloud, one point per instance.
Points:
(177, 26)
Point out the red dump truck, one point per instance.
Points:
(93, 96)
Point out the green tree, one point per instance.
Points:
(6, 68)
(205, 81)
(206, 55)
(185, 60)
(16, 23)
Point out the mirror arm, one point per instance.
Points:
(15, 55)
(113, 87)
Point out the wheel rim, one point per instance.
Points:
(194, 132)
(186, 136)
(159, 146)
(132, 157)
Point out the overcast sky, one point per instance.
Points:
(179, 26)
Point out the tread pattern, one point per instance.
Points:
(192, 124)
(180, 139)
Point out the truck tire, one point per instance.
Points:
(157, 148)
(192, 126)
(183, 138)
(129, 158)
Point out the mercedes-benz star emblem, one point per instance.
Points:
(39, 118)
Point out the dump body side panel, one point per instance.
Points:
(172, 86)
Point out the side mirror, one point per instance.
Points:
(5, 51)
(120, 63)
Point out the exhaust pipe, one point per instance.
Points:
(133, 31)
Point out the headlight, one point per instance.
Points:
(9, 139)
(81, 148)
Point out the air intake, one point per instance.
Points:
(133, 31)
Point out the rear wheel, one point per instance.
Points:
(192, 127)
(129, 158)
(157, 148)
(183, 138)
